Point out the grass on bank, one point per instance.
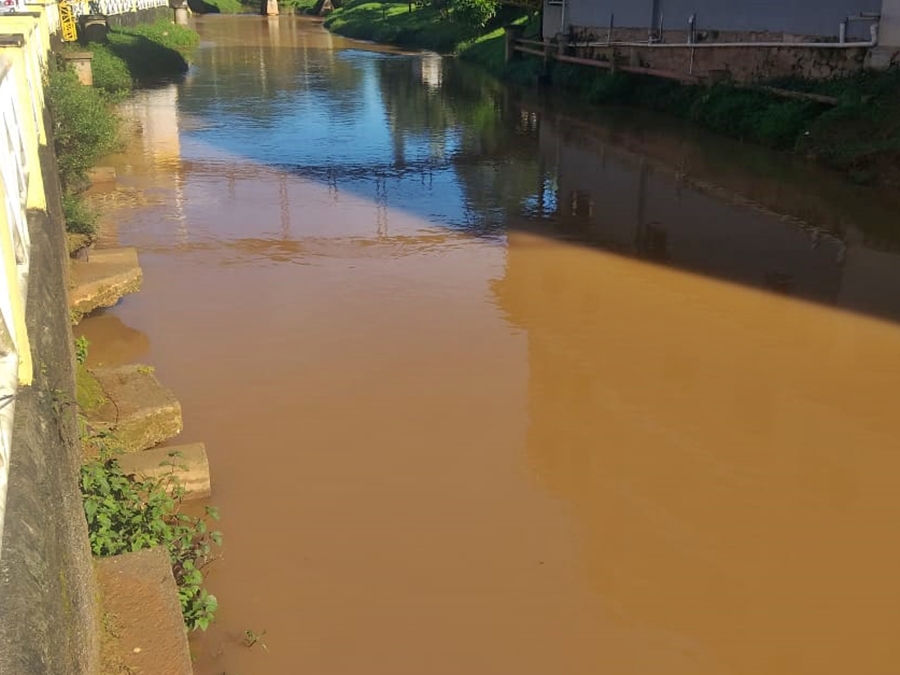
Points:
(142, 54)
(859, 136)
(407, 25)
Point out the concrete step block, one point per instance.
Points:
(102, 279)
(139, 411)
(188, 464)
(142, 615)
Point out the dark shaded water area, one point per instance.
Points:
(492, 383)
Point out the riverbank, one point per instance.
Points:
(406, 25)
(141, 55)
(859, 136)
(133, 480)
(86, 125)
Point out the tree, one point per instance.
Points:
(472, 12)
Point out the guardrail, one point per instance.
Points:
(24, 50)
(112, 7)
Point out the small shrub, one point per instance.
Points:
(110, 73)
(782, 122)
(127, 514)
(473, 12)
(80, 218)
(81, 350)
(84, 127)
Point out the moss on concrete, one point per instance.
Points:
(139, 411)
(88, 392)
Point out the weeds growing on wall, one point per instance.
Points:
(125, 513)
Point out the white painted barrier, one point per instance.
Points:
(15, 248)
(112, 7)
(24, 54)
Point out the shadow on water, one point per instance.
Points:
(444, 142)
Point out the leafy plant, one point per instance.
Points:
(125, 513)
(84, 127)
(80, 218)
(81, 349)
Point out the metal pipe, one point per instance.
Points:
(562, 16)
(722, 45)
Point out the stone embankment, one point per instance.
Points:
(142, 614)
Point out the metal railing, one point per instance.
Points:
(112, 7)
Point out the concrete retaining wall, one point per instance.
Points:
(47, 586)
(742, 64)
(48, 622)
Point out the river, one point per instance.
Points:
(496, 385)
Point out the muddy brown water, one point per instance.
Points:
(492, 386)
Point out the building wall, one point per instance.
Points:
(800, 17)
(890, 24)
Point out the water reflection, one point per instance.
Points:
(112, 342)
(433, 138)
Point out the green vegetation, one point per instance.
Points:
(127, 514)
(447, 26)
(84, 130)
(218, 6)
(300, 6)
(145, 53)
(860, 135)
(89, 395)
(84, 124)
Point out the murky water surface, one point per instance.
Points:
(495, 387)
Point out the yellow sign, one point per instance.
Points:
(67, 21)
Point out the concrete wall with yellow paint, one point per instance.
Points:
(48, 595)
